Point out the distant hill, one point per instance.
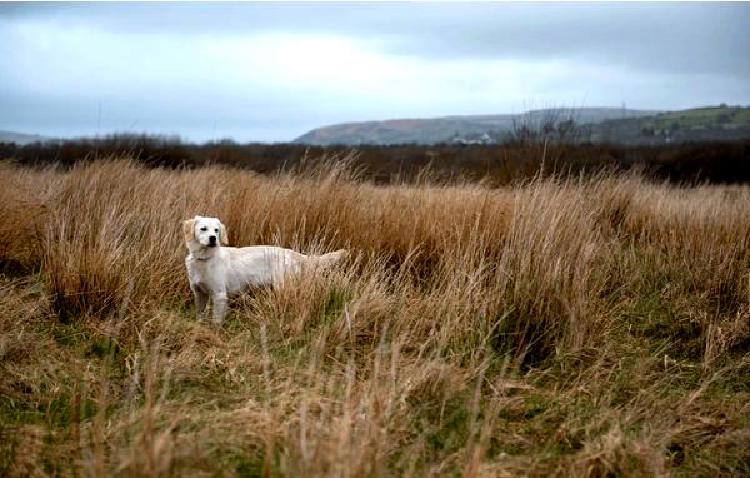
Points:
(20, 138)
(452, 128)
(712, 123)
(618, 126)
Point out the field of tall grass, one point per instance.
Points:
(581, 326)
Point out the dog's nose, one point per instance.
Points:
(212, 239)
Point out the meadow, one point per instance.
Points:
(587, 325)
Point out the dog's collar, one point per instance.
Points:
(196, 257)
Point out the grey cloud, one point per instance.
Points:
(677, 37)
(674, 38)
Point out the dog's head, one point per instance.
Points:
(205, 231)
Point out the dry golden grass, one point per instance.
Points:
(577, 327)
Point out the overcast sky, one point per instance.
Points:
(272, 71)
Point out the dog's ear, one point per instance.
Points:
(224, 239)
(188, 229)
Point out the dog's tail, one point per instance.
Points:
(332, 258)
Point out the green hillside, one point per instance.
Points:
(712, 123)
(713, 116)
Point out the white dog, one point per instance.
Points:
(216, 271)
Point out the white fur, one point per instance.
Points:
(217, 271)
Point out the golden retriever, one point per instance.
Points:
(214, 270)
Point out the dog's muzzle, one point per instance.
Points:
(212, 241)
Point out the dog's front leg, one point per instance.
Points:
(201, 299)
(220, 306)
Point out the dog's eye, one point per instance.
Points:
(216, 230)
(204, 229)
